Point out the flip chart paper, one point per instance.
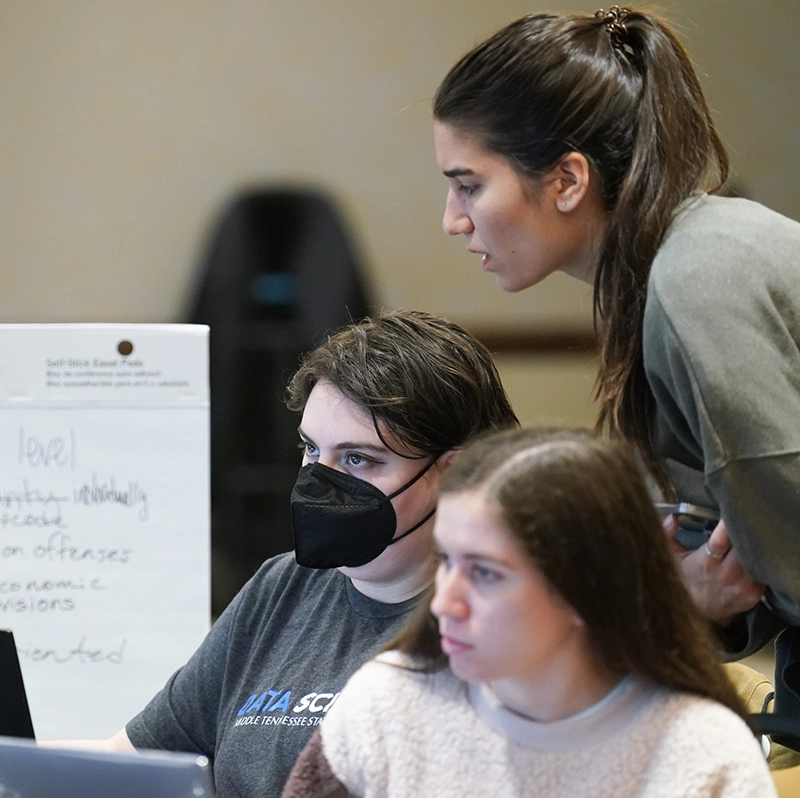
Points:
(104, 514)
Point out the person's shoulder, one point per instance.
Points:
(699, 709)
(284, 568)
(685, 742)
(715, 240)
(392, 670)
(281, 581)
(714, 218)
(395, 679)
(707, 727)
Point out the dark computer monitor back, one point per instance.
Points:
(15, 717)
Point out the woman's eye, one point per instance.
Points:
(354, 459)
(483, 574)
(307, 448)
(467, 190)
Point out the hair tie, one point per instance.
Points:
(615, 19)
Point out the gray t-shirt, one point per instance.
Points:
(264, 677)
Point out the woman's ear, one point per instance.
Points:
(445, 461)
(570, 178)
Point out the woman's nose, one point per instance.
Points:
(455, 221)
(448, 600)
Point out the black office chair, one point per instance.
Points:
(280, 272)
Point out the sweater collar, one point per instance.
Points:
(590, 726)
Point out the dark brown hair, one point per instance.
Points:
(580, 509)
(547, 85)
(423, 378)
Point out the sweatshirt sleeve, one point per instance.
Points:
(724, 366)
(183, 715)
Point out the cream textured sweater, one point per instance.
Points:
(394, 733)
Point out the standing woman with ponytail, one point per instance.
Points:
(584, 144)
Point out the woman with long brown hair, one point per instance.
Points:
(560, 655)
(584, 144)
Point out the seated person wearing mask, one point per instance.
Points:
(385, 405)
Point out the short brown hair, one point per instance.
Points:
(423, 378)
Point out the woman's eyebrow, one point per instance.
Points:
(356, 445)
(478, 557)
(372, 447)
(458, 172)
(474, 556)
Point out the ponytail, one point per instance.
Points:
(675, 152)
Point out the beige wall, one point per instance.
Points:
(126, 123)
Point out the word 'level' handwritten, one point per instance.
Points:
(58, 452)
